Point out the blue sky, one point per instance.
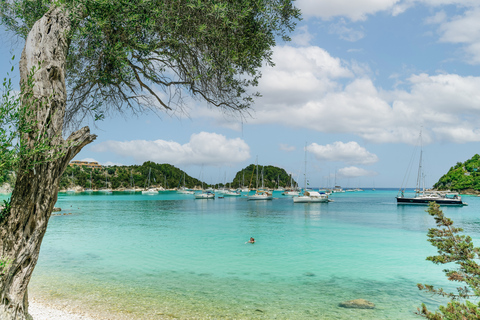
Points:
(358, 81)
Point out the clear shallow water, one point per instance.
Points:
(154, 257)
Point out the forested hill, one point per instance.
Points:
(162, 175)
(272, 177)
(462, 177)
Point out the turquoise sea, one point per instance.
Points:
(133, 256)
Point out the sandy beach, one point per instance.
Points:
(40, 311)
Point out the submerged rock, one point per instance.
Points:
(358, 304)
(56, 209)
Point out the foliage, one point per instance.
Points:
(5, 210)
(4, 265)
(458, 249)
(123, 51)
(461, 177)
(164, 175)
(272, 176)
(17, 119)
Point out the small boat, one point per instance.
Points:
(261, 195)
(291, 193)
(150, 191)
(183, 190)
(205, 195)
(230, 193)
(311, 197)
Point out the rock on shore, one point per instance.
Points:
(358, 304)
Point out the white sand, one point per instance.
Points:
(41, 311)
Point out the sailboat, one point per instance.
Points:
(106, 190)
(205, 194)
(309, 196)
(243, 188)
(231, 193)
(291, 191)
(132, 185)
(183, 189)
(148, 190)
(423, 196)
(90, 190)
(72, 189)
(261, 194)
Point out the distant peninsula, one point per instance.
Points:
(463, 177)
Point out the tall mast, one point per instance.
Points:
(305, 174)
(420, 185)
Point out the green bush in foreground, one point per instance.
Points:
(453, 248)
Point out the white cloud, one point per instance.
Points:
(350, 152)
(354, 10)
(439, 17)
(301, 73)
(310, 89)
(345, 33)
(354, 172)
(464, 29)
(203, 148)
(302, 37)
(286, 147)
(110, 163)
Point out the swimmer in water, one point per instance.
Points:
(251, 240)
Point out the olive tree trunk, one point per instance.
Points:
(36, 188)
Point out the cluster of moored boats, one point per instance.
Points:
(263, 194)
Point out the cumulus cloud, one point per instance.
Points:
(354, 172)
(463, 29)
(310, 89)
(350, 152)
(203, 148)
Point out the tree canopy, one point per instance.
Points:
(463, 176)
(150, 53)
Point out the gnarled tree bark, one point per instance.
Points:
(35, 193)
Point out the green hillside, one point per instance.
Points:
(162, 175)
(272, 177)
(461, 177)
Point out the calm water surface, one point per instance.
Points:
(133, 256)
